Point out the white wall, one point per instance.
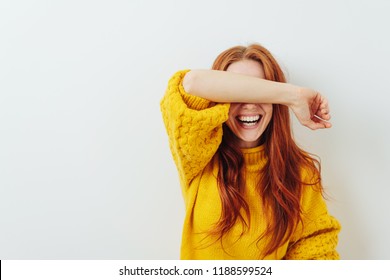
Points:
(85, 168)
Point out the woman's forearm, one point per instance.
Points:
(222, 86)
(309, 106)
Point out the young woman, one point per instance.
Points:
(250, 192)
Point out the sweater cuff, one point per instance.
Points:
(192, 101)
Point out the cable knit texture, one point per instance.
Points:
(194, 128)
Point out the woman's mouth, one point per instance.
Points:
(248, 121)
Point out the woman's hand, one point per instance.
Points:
(311, 109)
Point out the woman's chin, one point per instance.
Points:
(249, 142)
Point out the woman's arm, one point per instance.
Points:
(194, 128)
(319, 241)
(309, 106)
(316, 237)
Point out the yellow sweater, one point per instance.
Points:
(194, 128)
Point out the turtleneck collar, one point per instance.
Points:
(255, 158)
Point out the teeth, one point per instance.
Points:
(250, 124)
(251, 119)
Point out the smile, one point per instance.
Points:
(249, 120)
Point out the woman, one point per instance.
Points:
(250, 192)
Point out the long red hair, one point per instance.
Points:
(280, 186)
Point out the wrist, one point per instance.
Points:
(291, 95)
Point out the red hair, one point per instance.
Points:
(280, 186)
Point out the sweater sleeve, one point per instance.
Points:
(194, 128)
(317, 238)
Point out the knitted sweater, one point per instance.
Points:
(194, 127)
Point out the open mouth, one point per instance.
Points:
(249, 120)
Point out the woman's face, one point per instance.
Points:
(248, 121)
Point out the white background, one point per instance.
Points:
(85, 167)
